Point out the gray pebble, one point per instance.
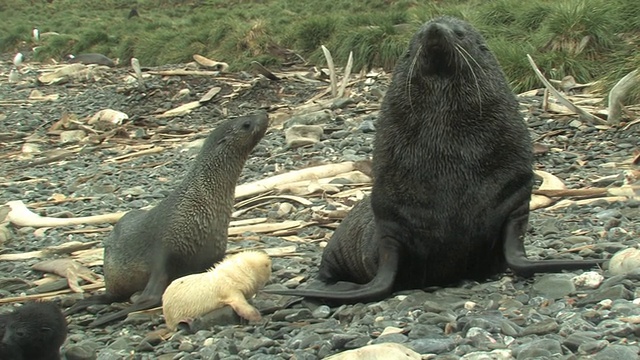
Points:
(591, 347)
(85, 350)
(540, 328)
(618, 352)
(554, 286)
(252, 343)
(538, 348)
(321, 312)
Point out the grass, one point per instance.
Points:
(589, 39)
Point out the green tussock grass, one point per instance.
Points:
(589, 39)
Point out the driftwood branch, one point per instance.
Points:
(548, 182)
(345, 78)
(584, 115)
(618, 92)
(153, 150)
(135, 65)
(332, 71)
(184, 73)
(629, 191)
(21, 216)
(264, 185)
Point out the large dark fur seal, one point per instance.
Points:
(185, 233)
(452, 166)
(34, 331)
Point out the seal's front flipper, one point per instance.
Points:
(151, 297)
(344, 292)
(516, 256)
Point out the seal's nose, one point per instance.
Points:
(436, 35)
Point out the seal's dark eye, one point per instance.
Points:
(483, 47)
(246, 125)
(459, 33)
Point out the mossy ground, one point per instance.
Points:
(589, 39)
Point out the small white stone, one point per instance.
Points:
(589, 279)
(605, 304)
(391, 330)
(470, 305)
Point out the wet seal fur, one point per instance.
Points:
(452, 166)
(185, 233)
(234, 280)
(34, 331)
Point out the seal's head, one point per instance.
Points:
(236, 137)
(446, 46)
(447, 66)
(250, 270)
(38, 328)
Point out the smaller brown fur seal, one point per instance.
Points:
(91, 58)
(34, 331)
(231, 282)
(185, 233)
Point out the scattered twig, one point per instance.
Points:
(26, 181)
(49, 294)
(183, 73)
(65, 248)
(180, 110)
(264, 71)
(266, 227)
(47, 160)
(61, 201)
(153, 150)
(571, 192)
(567, 202)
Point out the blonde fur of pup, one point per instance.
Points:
(231, 282)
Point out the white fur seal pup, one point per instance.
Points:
(231, 282)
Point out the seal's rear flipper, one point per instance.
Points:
(105, 298)
(516, 256)
(344, 292)
(137, 306)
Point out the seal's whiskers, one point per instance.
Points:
(469, 56)
(464, 57)
(408, 82)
